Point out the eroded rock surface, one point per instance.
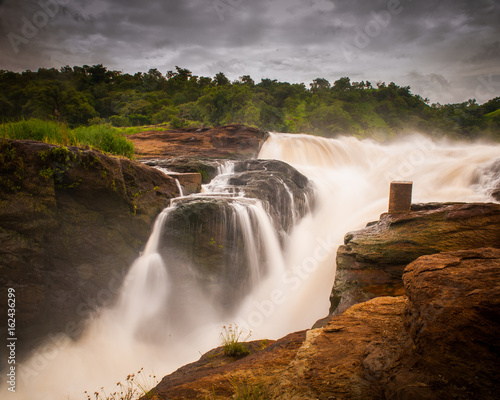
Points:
(233, 141)
(372, 260)
(452, 322)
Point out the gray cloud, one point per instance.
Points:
(443, 50)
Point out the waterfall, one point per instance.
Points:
(169, 312)
(146, 285)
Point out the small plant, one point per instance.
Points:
(232, 342)
(247, 391)
(135, 386)
(47, 173)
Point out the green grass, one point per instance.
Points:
(232, 342)
(103, 137)
(35, 129)
(136, 386)
(248, 391)
(131, 130)
(494, 114)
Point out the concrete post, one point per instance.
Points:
(400, 197)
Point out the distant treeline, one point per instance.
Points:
(93, 95)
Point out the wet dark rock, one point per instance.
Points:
(488, 179)
(206, 237)
(284, 191)
(207, 168)
(71, 222)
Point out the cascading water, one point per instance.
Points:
(167, 314)
(146, 285)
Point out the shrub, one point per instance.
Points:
(232, 343)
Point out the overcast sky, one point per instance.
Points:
(448, 51)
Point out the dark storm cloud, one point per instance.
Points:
(444, 49)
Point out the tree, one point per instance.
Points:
(246, 79)
(319, 84)
(342, 84)
(220, 79)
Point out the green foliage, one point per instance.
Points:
(47, 173)
(103, 137)
(93, 95)
(35, 129)
(232, 341)
(136, 386)
(248, 391)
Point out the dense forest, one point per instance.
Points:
(91, 95)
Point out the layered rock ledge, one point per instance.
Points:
(372, 260)
(198, 150)
(233, 141)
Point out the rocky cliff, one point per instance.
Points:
(198, 150)
(233, 141)
(71, 222)
(439, 342)
(372, 260)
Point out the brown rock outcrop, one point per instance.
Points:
(71, 222)
(233, 141)
(452, 322)
(439, 343)
(372, 260)
(323, 363)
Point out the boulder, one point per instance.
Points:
(372, 260)
(285, 192)
(71, 222)
(207, 168)
(190, 182)
(221, 239)
(452, 320)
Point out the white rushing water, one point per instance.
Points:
(351, 179)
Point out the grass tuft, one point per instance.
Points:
(232, 340)
(246, 391)
(136, 386)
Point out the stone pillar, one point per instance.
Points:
(400, 197)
